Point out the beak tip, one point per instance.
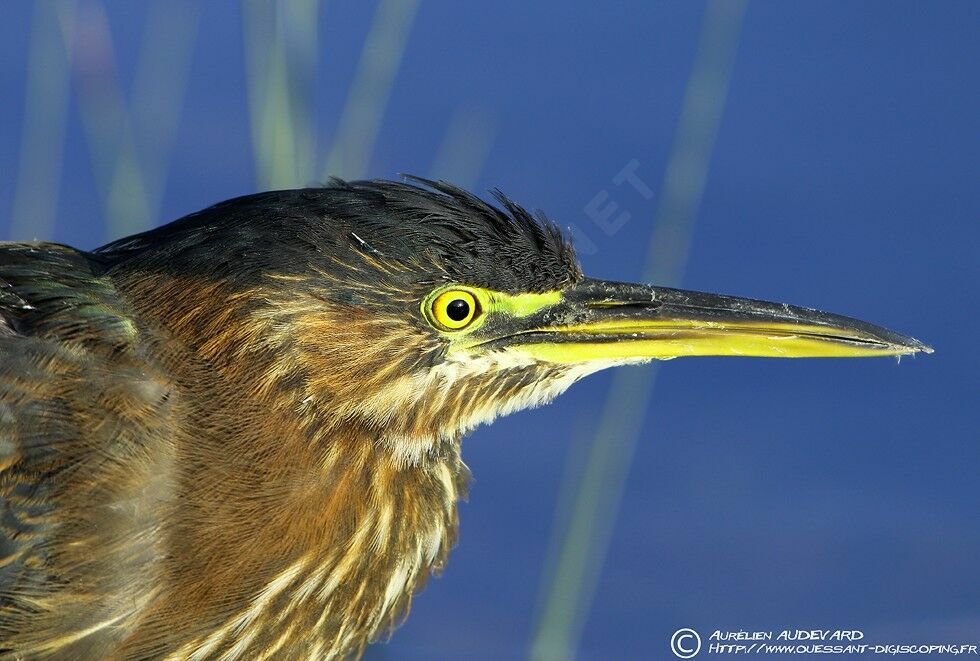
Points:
(914, 346)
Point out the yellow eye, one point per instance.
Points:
(455, 309)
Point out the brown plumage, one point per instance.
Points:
(238, 436)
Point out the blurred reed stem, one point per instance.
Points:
(131, 180)
(591, 499)
(281, 45)
(360, 119)
(464, 148)
(46, 100)
(156, 102)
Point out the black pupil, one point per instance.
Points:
(458, 310)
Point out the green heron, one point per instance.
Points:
(238, 435)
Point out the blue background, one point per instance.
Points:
(764, 494)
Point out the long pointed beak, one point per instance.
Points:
(610, 321)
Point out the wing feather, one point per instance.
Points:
(85, 470)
